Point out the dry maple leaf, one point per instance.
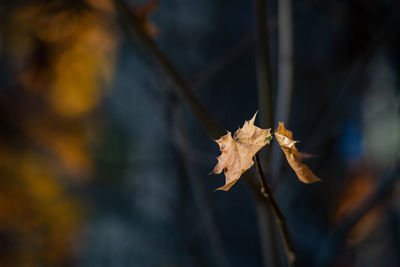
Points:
(237, 152)
(293, 156)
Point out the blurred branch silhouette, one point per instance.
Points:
(186, 93)
(285, 87)
(285, 77)
(206, 215)
(264, 82)
(178, 81)
(104, 148)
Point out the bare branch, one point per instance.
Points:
(285, 77)
(263, 64)
(279, 218)
(263, 67)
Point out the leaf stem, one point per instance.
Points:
(279, 218)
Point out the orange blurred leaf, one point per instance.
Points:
(361, 185)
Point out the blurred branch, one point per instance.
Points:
(224, 60)
(263, 64)
(187, 96)
(196, 185)
(285, 76)
(213, 129)
(337, 236)
(279, 218)
(285, 60)
(176, 78)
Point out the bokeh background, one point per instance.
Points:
(102, 163)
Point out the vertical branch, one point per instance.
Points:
(285, 76)
(279, 218)
(263, 68)
(285, 60)
(199, 111)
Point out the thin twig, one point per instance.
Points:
(280, 220)
(178, 82)
(264, 81)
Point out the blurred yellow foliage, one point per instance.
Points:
(37, 216)
(70, 146)
(63, 56)
(79, 68)
(80, 54)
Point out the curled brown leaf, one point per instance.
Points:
(293, 156)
